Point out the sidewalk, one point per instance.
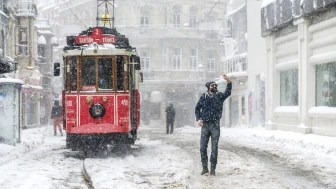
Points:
(256, 135)
(31, 139)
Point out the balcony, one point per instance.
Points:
(26, 8)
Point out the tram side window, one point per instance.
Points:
(105, 73)
(73, 73)
(88, 74)
(120, 75)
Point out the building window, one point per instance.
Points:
(289, 88)
(165, 59)
(193, 17)
(177, 56)
(144, 19)
(176, 16)
(23, 43)
(144, 60)
(211, 62)
(193, 59)
(326, 85)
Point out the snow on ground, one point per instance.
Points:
(39, 162)
(248, 158)
(153, 165)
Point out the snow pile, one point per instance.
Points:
(267, 2)
(31, 139)
(309, 142)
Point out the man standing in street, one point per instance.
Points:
(56, 114)
(208, 112)
(170, 116)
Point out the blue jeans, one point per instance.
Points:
(209, 129)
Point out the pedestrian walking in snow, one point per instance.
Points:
(208, 112)
(170, 116)
(56, 114)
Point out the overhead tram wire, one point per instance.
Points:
(74, 13)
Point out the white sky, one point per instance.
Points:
(173, 161)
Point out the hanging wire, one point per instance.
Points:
(74, 14)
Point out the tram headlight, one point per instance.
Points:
(105, 99)
(89, 99)
(97, 111)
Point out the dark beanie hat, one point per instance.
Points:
(209, 83)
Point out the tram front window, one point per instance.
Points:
(88, 74)
(105, 73)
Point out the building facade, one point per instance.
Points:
(301, 65)
(179, 46)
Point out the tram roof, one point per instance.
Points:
(98, 41)
(98, 50)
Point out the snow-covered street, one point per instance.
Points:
(248, 158)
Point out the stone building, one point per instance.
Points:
(26, 54)
(301, 65)
(179, 46)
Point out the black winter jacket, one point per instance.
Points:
(56, 111)
(210, 109)
(170, 114)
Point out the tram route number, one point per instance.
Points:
(124, 102)
(123, 119)
(69, 103)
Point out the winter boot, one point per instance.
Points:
(61, 132)
(55, 133)
(205, 170)
(213, 172)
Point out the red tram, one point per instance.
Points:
(101, 100)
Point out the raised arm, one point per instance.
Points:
(227, 92)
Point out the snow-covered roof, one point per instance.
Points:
(45, 32)
(276, 14)
(32, 86)
(41, 40)
(1, 12)
(266, 2)
(42, 25)
(10, 80)
(234, 11)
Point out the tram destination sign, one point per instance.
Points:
(96, 37)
